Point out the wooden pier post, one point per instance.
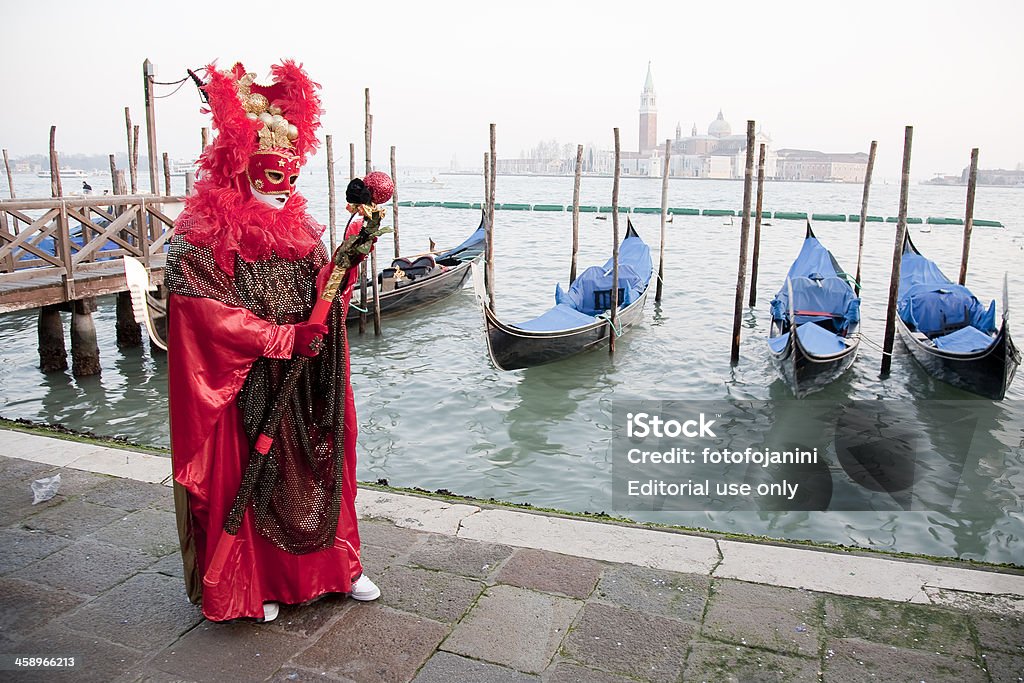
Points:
(85, 350)
(576, 213)
(55, 187)
(351, 160)
(113, 173)
(167, 174)
(741, 275)
(134, 163)
(53, 355)
(132, 143)
(147, 79)
(897, 255)
(331, 204)
(664, 218)
(490, 211)
(757, 227)
(394, 200)
(10, 179)
(190, 182)
(373, 250)
(128, 332)
(614, 317)
(864, 211)
(972, 184)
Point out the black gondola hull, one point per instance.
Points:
(806, 373)
(512, 348)
(416, 294)
(986, 373)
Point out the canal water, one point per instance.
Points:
(434, 413)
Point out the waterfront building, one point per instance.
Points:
(805, 164)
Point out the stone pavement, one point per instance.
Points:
(95, 573)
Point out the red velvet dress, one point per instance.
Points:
(212, 348)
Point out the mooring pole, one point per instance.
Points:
(488, 241)
(615, 248)
(10, 179)
(147, 79)
(576, 213)
(373, 249)
(167, 174)
(394, 200)
(55, 188)
(132, 170)
(757, 227)
(864, 211)
(204, 139)
(897, 255)
(972, 184)
(490, 209)
(351, 160)
(664, 219)
(741, 275)
(331, 206)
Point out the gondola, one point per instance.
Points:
(414, 281)
(579, 320)
(950, 333)
(814, 337)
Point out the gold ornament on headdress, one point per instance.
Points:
(276, 131)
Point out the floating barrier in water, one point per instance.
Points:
(684, 211)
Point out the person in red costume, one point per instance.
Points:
(242, 270)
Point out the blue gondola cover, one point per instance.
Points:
(932, 304)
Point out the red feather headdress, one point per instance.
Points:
(222, 213)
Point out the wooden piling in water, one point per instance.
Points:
(615, 249)
(332, 225)
(897, 255)
(190, 183)
(757, 227)
(204, 139)
(134, 163)
(131, 147)
(85, 350)
(394, 200)
(55, 187)
(167, 175)
(741, 275)
(490, 211)
(53, 355)
(113, 173)
(10, 179)
(486, 204)
(373, 250)
(664, 218)
(147, 79)
(128, 332)
(351, 160)
(576, 213)
(972, 184)
(864, 211)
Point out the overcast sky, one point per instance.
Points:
(815, 75)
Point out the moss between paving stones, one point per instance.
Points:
(61, 432)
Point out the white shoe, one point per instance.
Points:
(364, 590)
(270, 611)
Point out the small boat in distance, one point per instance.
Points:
(432, 184)
(415, 281)
(579, 320)
(64, 173)
(815, 319)
(952, 334)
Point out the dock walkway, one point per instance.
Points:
(477, 593)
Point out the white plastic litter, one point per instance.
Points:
(45, 489)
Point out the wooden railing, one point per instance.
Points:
(74, 236)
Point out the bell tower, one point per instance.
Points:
(648, 115)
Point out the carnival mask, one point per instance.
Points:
(272, 176)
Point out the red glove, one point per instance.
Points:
(309, 338)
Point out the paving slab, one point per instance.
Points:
(851, 660)
(169, 565)
(749, 614)
(608, 542)
(436, 595)
(152, 531)
(128, 464)
(373, 643)
(130, 495)
(234, 651)
(549, 572)
(514, 627)
(670, 594)
(146, 612)
(445, 667)
(43, 449)
(1002, 633)
(87, 567)
(308, 619)
(14, 470)
(457, 556)
(96, 658)
(1004, 667)
(294, 674)
(568, 672)
(26, 606)
(629, 642)
(920, 627)
(732, 664)
(413, 512)
(376, 558)
(73, 518)
(385, 534)
(20, 547)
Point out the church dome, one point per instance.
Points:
(719, 128)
